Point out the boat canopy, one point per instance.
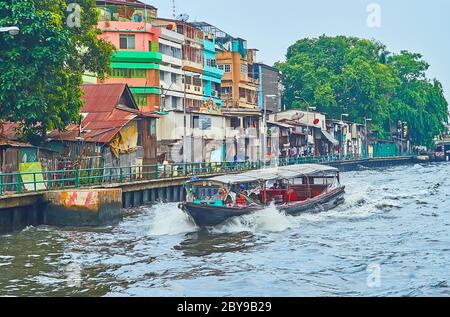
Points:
(282, 172)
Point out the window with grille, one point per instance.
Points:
(127, 42)
(141, 100)
(128, 73)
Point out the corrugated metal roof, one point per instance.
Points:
(9, 131)
(107, 109)
(280, 124)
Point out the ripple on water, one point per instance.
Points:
(389, 219)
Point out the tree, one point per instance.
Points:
(41, 69)
(418, 101)
(360, 77)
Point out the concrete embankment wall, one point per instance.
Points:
(356, 165)
(95, 207)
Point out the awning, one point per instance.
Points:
(279, 124)
(298, 133)
(330, 138)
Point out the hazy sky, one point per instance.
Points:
(419, 26)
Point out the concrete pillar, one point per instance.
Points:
(146, 196)
(33, 216)
(137, 198)
(85, 208)
(161, 195)
(16, 218)
(127, 200)
(176, 194)
(182, 193)
(153, 195)
(169, 194)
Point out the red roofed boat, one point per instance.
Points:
(293, 189)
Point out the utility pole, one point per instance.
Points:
(185, 160)
(264, 134)
(367, 139)
(342, 130)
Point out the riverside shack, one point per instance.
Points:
(113, 132)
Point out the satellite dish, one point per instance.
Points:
(183, 17)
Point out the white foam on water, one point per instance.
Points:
(168, 219)
(268, 220)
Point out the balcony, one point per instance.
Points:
(137, 57)
(122, 13)
(213, 72)
(192, 66)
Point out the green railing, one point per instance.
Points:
(65, 179)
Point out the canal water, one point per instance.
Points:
(391, 238)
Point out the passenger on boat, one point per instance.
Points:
(223, 193)
(241, 199)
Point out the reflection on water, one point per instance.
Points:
(203, 243)
(397, 219)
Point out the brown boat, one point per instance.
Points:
(293, 189)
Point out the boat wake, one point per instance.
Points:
(267, 220)
(169, 220)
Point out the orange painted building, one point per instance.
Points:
(127, 25)
(240, 83)
(239, 87)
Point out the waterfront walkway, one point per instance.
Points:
(34, 182)
(98, 197)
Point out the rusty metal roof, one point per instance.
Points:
(107, 109)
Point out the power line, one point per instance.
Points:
(174, 9)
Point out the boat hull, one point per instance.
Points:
(210, 216)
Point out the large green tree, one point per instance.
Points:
(41, 68)
(360, 77)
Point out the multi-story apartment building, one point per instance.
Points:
(127, 24)
(171, 70)
(212, 76)
(201, 78)
(240, 84)
(269, 85)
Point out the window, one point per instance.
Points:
(197, 81)
(190, 103)
(174, 102)
(139, 129)
(188, 80)
(193, 54)
(127, 42)
(244, 69)
(235, 122)
(141, 100)
(195, 122)
(211, 62)
(242, 93)
(152, 127)
(170, 51)
(227, 91)
(162, 76)
(128, 73)
(174, 78)
(227, 68)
